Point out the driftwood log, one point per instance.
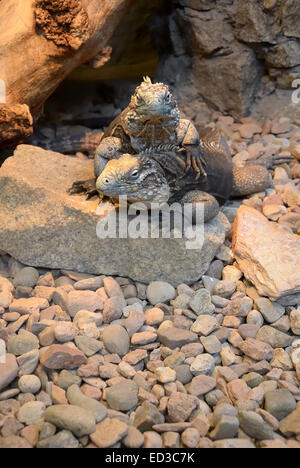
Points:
(41, 43)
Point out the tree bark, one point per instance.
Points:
(41, 43)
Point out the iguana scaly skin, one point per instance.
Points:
(170, 147)
(141, 178)
(151, 119)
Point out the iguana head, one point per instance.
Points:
(154, 101)
(138, 177)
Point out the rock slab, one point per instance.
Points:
(43, 226)
(268, 256)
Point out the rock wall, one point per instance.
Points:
(229, 52)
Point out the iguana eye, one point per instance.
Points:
(135, 174)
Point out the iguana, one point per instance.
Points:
(152, 119)
(150, 128)
(142, 177)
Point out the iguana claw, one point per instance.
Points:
(84, 186)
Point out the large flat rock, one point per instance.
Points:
(268, 256)
(43, 226)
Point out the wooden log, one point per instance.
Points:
(41, 43)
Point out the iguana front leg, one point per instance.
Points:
(189, 139)
(109, 148)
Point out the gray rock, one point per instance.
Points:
(273, 337)
(280, 403)
(28, 362)
(32, 413)
(77, 398)
(204, 325)
(74, 248)
(226, 428)
(66, 379)
(29, 384)
(72, 418)
(160, 292)
(146, 416)
(203, 364)
(224, 409)
(116, 339)
(254, 425)
(271, 311)
(27, 276)
(89, 346)
(122, 396)
(63, 439)
(201, 303)
(183, 373)
(22, 343)
(173, 337)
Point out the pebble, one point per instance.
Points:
(224, 288)
(22, 343)
(122, 396)
(29, 384)
(134, 438)
(8, 371)
(62, 357)
(154, 316)
(77, 420)
(201, 385)
(147, 416)
(201, 302)
(65, 331)
(271, 311)
(32, 413)
(113, 308)
(27, 276)
(160, 291)
(165, 374)
(116, 339)
(173, 337)
(273, 337)
(63, 439)
(77, 398)
(89, 346)
(29, 305)
(295, 321)
(205, 325)
(109, 432)
(280, 403)
(254, 426)
(83, 300)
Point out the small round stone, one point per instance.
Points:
(29, 384)
(160, 291)
(154, 316)
(116, 339)
(26, 277)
